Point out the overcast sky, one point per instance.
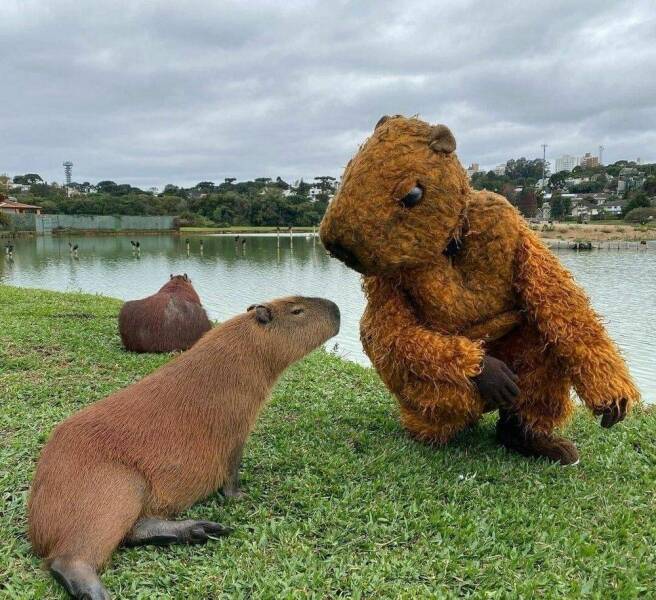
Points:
(178, 92)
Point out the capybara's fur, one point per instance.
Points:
(153, 449)
(452, 274)
(172, 319)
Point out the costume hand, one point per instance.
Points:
(614, 413)
(496, 383)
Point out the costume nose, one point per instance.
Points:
(346, 256)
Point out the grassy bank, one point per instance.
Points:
(600, 231)
(340, 503)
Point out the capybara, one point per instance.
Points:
(116, 471)
(172, 319)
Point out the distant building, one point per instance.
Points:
(473, 168)
(10, 205)
(566, 163)
(588, 161)
(500, 169)
(629, 178)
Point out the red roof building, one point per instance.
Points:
(10, 205)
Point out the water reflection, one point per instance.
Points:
(230, 275)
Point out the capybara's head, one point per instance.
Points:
(400, 201)
(292, 327)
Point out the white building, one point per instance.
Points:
(566, 163)
(500, 169)
(473, 168)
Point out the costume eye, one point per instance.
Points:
(413, 197)
(297, 311)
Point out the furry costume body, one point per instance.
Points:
(456, 277)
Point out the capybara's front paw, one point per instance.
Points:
(614, 413)
(200, 532)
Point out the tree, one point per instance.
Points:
(527, 202)
(230, 180)
(557, 180)
(641, 215)
(28, 179)
(650, 186)
(639, 200)
(560, 207)
(522, 168)
(5, 221)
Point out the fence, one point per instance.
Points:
(46, 224)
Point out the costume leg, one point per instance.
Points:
(435, 413)
(544, 402)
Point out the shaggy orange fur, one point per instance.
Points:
(432, 315)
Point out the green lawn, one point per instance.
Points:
(340, 503)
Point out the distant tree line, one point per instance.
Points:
(262, 201)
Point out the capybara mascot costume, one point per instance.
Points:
(467, 310)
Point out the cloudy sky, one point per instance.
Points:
(178, 92)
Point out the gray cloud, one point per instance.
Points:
(151, 93)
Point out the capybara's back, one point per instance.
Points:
(172, 319)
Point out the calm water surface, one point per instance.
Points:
(229, 277)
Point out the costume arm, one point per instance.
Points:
(563, 314)
(397, 337)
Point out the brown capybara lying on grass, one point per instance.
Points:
(172, 319)
(117, 470)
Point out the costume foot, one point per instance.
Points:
(79, 579)
(160, 532)
(514, 436)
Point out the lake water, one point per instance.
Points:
(230, 277)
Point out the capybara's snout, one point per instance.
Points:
(328, 310)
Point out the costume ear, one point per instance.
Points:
(441, 139)
(263, 313)
(384, 119)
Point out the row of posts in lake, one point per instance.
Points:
(599, 245)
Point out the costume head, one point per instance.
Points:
(401, 199)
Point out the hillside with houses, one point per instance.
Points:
(580, 190)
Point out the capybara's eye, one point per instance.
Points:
(413, 197)
(297, 311)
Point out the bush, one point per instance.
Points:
(639, 215)
(5, 221)
(189, 219)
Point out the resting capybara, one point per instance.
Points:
(172, 319)
(117, 470)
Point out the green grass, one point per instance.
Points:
(340, 503)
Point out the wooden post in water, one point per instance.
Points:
(291, 237)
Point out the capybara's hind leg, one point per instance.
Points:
(160, 532)
(78, 578)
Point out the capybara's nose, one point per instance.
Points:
(334, 310)
(341, 253)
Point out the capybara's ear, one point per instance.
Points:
(263, 313)
(186, 277)
(171, 276)
(441, 139)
